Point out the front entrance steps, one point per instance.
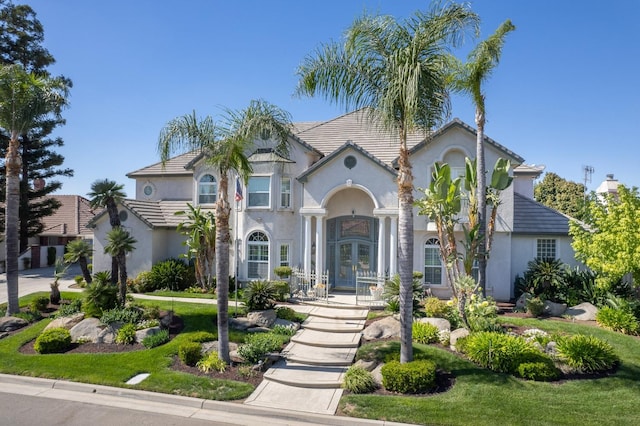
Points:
(309, 379)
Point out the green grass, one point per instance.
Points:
(167, 293)
(115, 369)
(481, 397)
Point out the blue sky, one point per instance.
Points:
(566, 93)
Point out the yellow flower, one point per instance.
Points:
(449, 302)
(485, 304)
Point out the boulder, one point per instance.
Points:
(554, 309)
(109, 333)
(146, 332)
(441, 323)
(521, 303)
(262, 318)
(233, 355)
(382, 329)
(208, 347)
(551, 349)
(65, 322)
(455, 335)
(241, 323)
(367, 365)
(377, 375)
(12, 323)
(583, 312)
(88, 329)
(3, 335)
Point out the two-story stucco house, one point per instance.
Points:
(332, 205)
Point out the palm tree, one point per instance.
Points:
(79, 251)
(468, 78)
(398, 72)
(200, 230)
(107, 194)
(225, 148)
(25, 99)
(119, 243)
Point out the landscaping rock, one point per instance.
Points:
(109, 333)
(377, 374)
(382, 329)
(441, 323)
(241, 323)
(65, 322)
(521, 303)
(208, 347)
(146, 332)
(583, 312)
(3, 335)
(554, 309)
(367, 365)
(233, 355)
(455, 335)
(262, 318)
(12, 323)
(88, 329)
(551, 349)
(166, 319)
(285, 323)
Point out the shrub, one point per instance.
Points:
(497, 351)
(259, 296)
(153, 340)
(436, 308)
(391, 294)
(202, 336)
(257, 345)
(211, 362)
(39, 304)
(281, 289)
(54, 340)
(282, 271)
(29, 316)
(285, 313)
(246, 371)
(425, 333)
(190, 353)
(171, 274)
(152, 312)
(358, 380)
(99, 296)
(283, 330)
(411, 377)
(125, 315)
(535, 306)
(68, 309)
(586, 353)
(620, 320)
(482, 314)
(126, 334)
(142, 283)
(540, 371)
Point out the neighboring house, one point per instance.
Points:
(331, 205)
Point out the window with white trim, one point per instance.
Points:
(258, 256)
(284, 259)
(285, 192)
(432, 263)
(258, 191)
(546, 249)
(207, 189)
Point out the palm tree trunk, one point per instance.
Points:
(222, 267)
(122, 265)
(84, 267)
(405, 253)
(13, 164)
(482, 201)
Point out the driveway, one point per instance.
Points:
(38, 279)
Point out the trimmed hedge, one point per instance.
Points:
(411, 377)
(190, 353)
(54, 340)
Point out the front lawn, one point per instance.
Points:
(482, 397)
(114, 369)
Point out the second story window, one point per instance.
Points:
(258, 190)
(285, 193)
(207, 189)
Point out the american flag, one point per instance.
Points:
(238, 190)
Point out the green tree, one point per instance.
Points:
(24, 99)
(469, 78)
(200, 230)
(226, 148)
(21, 37)
(562, 195)
(107, 194)
(607, 240)
(119, 244)
(79, 251)
(398, 72)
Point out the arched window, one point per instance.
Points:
(207, 189)
(432, 263)
(258, 255)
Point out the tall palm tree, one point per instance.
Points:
(200, 230)
(107, 194)
(225, 148)
(79, 251)
(398, 72)
(119, 244)
(468, 78)
(25, 99)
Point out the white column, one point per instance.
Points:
(307, 244)
(393, 246)
(382, 231)
(319, 248)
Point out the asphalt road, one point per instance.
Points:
(40, 279)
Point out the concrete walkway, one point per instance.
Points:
(309, 379)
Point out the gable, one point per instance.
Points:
(531, 217)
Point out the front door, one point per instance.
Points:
(353, 257)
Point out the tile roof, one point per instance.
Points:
(155, 214)
(531, 217)
(175, 166)
(71, 218)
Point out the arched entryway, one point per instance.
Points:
(352, 247)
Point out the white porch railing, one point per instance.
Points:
(307, 286)
(369, 289)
